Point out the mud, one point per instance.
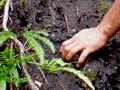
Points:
(59, 18)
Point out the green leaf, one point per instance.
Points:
(23, 80)
(45, 41)
(2, 84)
(44, 33)
(3, 37)
(80, 75)
(59, 61)
(36, 46)
(15, 76)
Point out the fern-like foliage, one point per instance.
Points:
(8, 70)
(3, 37)
(58, 64)
(34, 39)
(79, 75)
(54, 65)
(36, 46)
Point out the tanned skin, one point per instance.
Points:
(90, 40)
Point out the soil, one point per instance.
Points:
(60, 18)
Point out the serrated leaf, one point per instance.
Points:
(36, 46)
(60, 62)
(80, 75)
(44, 33)
(45, 41)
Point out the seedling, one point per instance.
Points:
(54, 65)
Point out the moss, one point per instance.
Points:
(91, 75)
(104, 6)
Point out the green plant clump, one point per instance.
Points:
(9, 60)
(9, 63)
(54, 65)
(8, 70)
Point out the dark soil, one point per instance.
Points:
(59, 18)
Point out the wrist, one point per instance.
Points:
(105, 30)
(103, 35)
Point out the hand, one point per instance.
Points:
(86, 41)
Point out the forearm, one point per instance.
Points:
(111, 21)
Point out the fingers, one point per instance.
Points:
(83, 57)
(65, 44)
(67, 49)
(73, 51)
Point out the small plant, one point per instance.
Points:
(34, 38)
(8, 68)
(54, 65)
(9, 62)
(58, 64)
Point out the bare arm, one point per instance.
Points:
(90, 40)
(111, 21)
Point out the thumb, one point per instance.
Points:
(83, 57)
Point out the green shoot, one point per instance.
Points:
(3, 37)
(2, 3)
(34, 40)
(58, 64)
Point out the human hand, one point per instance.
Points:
(86, 41)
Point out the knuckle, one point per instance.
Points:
(67, 48)
(72, 51)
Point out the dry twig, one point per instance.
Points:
(67, 23)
